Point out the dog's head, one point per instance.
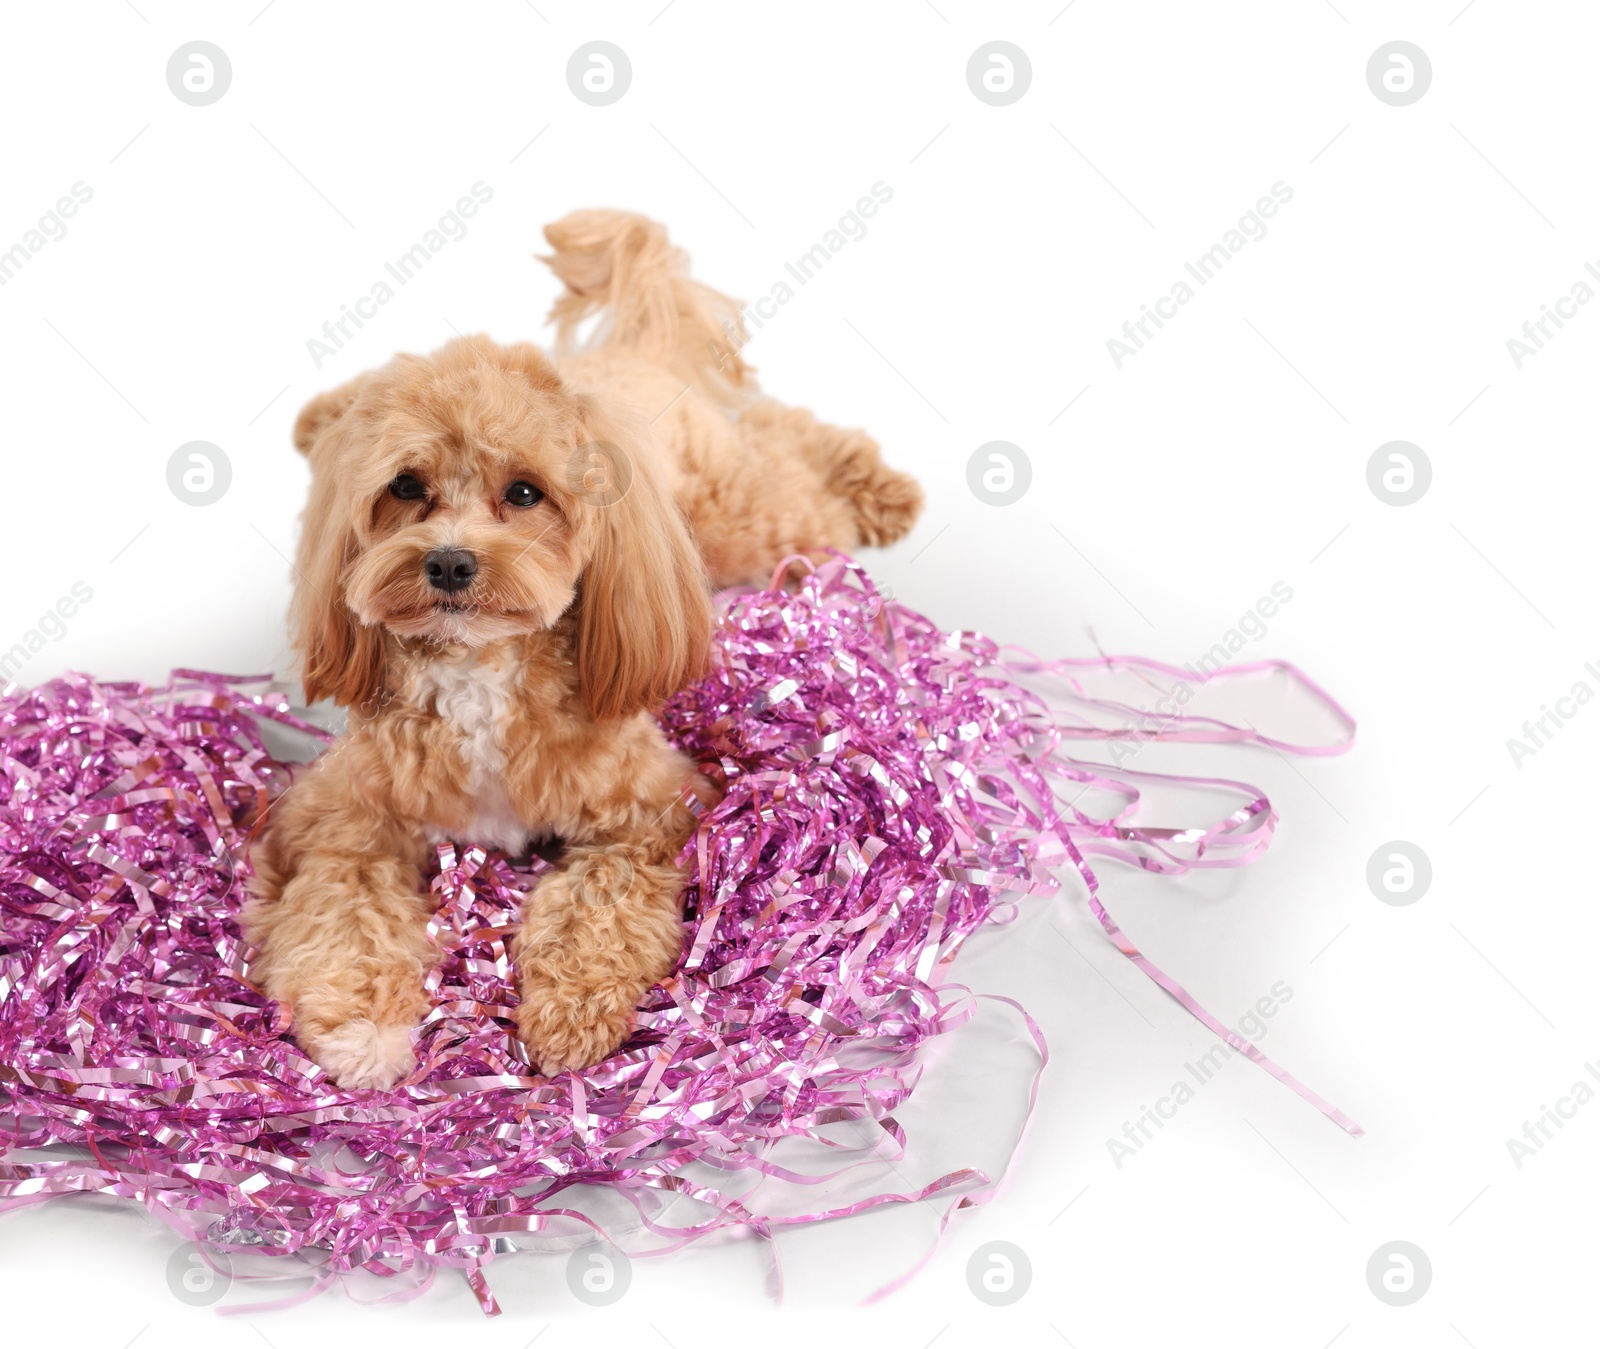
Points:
(470, 496)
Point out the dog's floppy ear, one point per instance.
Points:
(341, 658)
(325, 409)
(644, 620)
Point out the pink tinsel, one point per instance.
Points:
(887, 783)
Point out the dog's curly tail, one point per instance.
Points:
(623, 267)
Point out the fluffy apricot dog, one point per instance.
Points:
(505, 568)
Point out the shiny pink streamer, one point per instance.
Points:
(887, 783)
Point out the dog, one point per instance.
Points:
(506, 565)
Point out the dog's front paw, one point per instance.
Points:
(571, 1027)
(362, 1053)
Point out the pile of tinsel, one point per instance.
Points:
(888, 784)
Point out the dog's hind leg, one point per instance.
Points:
(883, 502)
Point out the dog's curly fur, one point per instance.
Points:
(518, 707)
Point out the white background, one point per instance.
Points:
(1228, 455)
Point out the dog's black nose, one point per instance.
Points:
(450, 569)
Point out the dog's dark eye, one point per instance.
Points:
(523, 494)
(407, 488)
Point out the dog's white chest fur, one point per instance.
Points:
(473, 695)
